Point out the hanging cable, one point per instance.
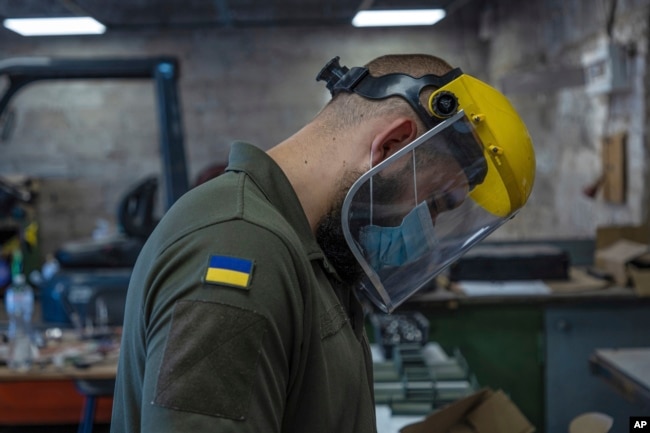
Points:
(611, 18)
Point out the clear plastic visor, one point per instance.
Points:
(412, 215)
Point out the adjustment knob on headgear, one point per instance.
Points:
(332, 73)
(444, 104)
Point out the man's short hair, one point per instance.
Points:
(349, 109)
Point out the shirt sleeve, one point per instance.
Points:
(219, 354)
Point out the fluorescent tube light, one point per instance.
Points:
(410, 17)
(55, 26)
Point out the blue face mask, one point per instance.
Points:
(395, 246)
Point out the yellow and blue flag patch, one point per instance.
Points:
(231, 271)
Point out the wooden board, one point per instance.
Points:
(46, 402)
(626, 369)
(614, 159)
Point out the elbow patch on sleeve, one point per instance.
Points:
(210, 360)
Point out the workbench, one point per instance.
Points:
(537, 346)
(47, 394)
(627, 370)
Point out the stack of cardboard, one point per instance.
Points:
(623, 253)
(485, 411)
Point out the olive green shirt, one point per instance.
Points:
(236, 322)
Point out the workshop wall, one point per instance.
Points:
(539, 52)
(88, 142)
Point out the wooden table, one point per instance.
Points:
(103, 370)
(47, 394)
(627, 370)
(579, 288)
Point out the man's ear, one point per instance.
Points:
(392, 137)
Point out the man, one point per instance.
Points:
(243, 311)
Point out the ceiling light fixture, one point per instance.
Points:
(55, 26)
(401, 17)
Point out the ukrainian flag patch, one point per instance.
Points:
(230, 271)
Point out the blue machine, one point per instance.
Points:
(103, 267)
(70, 293)
(91, 268)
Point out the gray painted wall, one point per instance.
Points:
(89, 142)
(542, 43)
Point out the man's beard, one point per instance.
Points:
(329, 232)
(329, 235)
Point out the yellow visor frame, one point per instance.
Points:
(506, 143)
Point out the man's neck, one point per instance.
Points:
(313, 167)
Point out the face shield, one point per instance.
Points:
(419, 210)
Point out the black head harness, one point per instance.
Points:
(358, 80)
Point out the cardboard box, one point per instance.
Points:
(639, 271)
(606, 236)
(614, 259)
(485, 411)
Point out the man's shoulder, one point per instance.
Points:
(229, 206)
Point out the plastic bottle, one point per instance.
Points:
(19, 303)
